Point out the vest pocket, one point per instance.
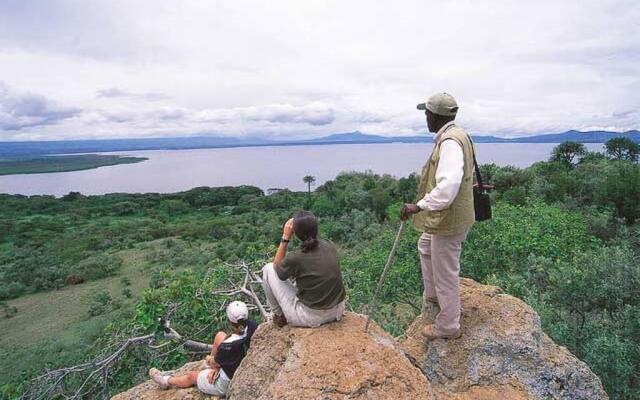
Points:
(435, 219)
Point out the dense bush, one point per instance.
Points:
(101, 302)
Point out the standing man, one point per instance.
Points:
(444, 214)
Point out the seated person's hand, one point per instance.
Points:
(287, 231)
(408, 210)
(209, 360)
(213, 374)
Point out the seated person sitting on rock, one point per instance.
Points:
(226, 354)
(317, 297)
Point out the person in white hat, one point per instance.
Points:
(226, 354)
(444, 213)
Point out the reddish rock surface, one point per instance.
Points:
(336, 361)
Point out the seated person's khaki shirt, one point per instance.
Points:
(317, 274)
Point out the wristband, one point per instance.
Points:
(283, 240)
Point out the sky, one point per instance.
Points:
(299, 69)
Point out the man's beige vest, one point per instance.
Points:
(460, 215)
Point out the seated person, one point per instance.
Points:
(317, 297)
(226, 355)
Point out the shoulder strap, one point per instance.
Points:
(475, 163)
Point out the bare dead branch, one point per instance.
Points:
(246, 288)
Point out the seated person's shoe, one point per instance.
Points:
(279, 320)
(158, 378)
(430, 332)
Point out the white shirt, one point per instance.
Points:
(448, 175)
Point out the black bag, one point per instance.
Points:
(481, 199)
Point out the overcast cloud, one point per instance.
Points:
(100, 69)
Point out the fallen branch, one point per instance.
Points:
(98, 365)
(92, 376)
(246, 288)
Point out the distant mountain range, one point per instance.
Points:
(200, 142)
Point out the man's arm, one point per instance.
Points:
(448, 179)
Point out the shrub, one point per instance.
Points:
(9, 311)
(124, 208)
(74, 280)
(604, 279)
(174, 206)
(11, 290)
(126, 292)
(502, 245)
(100, 303)
(98, 267)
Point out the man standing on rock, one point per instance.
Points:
(444, 214)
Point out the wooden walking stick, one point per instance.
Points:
(374, 301)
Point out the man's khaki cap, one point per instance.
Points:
(441, 104)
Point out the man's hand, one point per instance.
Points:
(212, 375)
(408, 210)
(485, 186)
(287, 232)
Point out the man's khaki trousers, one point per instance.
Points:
(440, 261)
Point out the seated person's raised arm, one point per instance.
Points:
(282, 270)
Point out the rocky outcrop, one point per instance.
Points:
(502, 354)
(502, 350)
(335, 361)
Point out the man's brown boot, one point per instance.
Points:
(430, 332)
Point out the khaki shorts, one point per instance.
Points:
(219, 387)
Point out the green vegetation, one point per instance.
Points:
(85, 273)
(623, 148)
(42, 164)
(567, 152)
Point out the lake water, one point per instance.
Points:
(169, 171)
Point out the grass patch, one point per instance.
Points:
(53, 328)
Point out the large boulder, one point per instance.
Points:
(336, 361)
(502, 353)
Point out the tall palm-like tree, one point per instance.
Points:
(309, 180)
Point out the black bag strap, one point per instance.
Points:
(475, 163)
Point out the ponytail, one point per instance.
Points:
(309, 244)
(305, 226)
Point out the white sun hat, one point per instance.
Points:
(236, 311)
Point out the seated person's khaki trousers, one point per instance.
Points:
(281, 296)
